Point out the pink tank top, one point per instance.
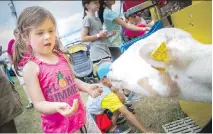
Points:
(57, 84)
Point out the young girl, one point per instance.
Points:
(135, 20)
(92, 32)
(51, 84)
(112, 21)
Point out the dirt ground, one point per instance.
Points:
(154, 112)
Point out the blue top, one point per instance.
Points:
(110, 25)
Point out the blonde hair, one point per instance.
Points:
(29, 18)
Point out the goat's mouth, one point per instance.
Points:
(162, 70)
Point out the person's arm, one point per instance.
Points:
(121, 30)
(85, 37)
(93, 90)
(111, 34)
(120, 95)
(132, 119)
(115, 90)
(129, 26)
(30, 74)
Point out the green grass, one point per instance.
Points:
(29, 121)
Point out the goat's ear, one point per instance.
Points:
(145, 54)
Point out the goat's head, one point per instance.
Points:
(147, 49)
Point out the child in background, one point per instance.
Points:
(93, 32)
(134, 20)
(47, 74)
(4, 67)
(112, 21)
(110, 100)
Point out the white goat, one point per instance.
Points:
(188, 72)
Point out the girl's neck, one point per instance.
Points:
(91, 13)
(109, 6)
(44, 56)
(47, 58)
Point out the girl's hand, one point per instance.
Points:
(94, 90)
(112, 34)
(65, 109)
(147, 28)
(103, 34)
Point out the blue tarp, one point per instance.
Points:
(158, 25)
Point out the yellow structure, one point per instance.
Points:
(196, 19)
(199, 112)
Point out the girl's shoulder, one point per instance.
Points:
(90, 17)
(87, 17)
(30, 68)
(107, 10)
(63, 56)
(108, 13)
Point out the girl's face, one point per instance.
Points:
(134, 19)
(42, 38)
(110, 2)
(137, 19)
(93, 6)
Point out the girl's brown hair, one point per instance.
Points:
(29, 18)
(101, 10)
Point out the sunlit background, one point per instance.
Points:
(68, 15)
